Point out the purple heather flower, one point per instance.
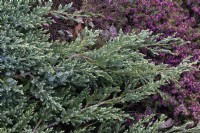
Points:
(181, 109)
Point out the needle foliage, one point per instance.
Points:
(72, 87)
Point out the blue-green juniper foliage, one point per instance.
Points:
(55, 87)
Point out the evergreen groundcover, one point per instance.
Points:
(53, 87)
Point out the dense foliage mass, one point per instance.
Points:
(99, 80)
(167, 17)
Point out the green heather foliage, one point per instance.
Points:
(47, 87)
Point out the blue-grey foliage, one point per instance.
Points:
(54, 87)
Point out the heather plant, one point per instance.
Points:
(68, 87)
(168, 18)
(193, 6)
